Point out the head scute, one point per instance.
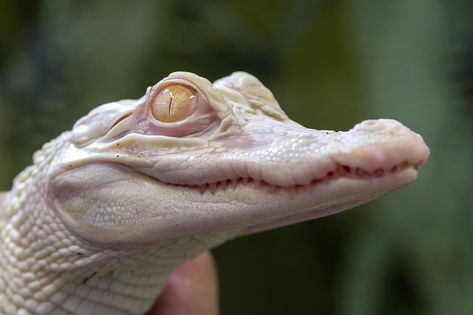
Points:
(257, 95)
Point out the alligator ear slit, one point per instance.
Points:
(121, 119)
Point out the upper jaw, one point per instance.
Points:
(295, 157)
(281, 154)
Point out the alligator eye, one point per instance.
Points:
(173, 103)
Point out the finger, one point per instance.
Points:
(191, 289)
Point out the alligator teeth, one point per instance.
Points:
(213, 188)
(340, 171)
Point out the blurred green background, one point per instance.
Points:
(330, 64)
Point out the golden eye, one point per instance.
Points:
(173, 103)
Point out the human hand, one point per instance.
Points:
(191, 289)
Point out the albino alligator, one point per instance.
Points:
(109, 209)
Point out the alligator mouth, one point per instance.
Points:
(401, 174)
(340, 171)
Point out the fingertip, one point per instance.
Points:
(191, 289)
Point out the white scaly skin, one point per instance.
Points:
(109, 209)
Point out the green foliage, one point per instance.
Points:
(330, 64)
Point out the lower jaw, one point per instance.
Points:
(300, 217)
(384, 184)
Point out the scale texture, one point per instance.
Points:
(109, 209)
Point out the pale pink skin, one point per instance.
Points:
(235, 163)
(123, 199)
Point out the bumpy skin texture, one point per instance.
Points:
(111, 207)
